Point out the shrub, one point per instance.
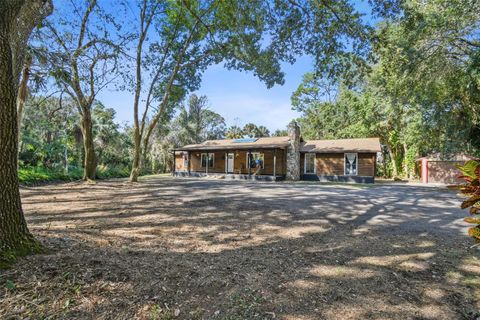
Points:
(471, 189)
(38, 174)
(106, 172)
(29, 174)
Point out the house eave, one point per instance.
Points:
(340, 151)
(229, 147)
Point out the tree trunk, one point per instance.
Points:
(136, 165)
(384, 164)
(393, 159)
(137, 155)
(90, 161)
(15, 238)
(406, 169)
(22, 94)
(78, 146)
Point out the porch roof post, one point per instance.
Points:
(274, 163)
(207, 162)
(234, 156)
(188, 161)
(248, 162)
(174, 162)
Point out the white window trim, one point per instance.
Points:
(207, 162)
(345, 164)
(314, 163)
(259, 153)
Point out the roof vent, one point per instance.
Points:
(245, 140)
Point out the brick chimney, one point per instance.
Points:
(293, 152)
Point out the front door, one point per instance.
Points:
(230, 158)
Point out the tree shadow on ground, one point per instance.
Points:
(230, 250)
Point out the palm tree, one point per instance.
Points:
(196, 123)
(251, 130)
(280, 133)
(234, 132)
(262, 131)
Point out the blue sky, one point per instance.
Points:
(238, 96)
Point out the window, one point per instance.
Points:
(351, 164)
(309, 165)
(210, 160)
(252, 162)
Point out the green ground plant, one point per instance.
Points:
(471, 190)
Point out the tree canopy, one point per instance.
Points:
(421, 94)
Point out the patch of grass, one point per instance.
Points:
(10, 285)
(245, 305)
(155, 312)
(472, 281)
(107, 172)
(25, 247)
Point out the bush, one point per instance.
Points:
(30, 174)
(471, 189)
(39, 174)
(106, 172)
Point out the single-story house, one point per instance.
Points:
(289, 157)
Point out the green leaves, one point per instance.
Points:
(471, 174)
(251, 130)
(325, 118)
(10, 285)
(474, 233)
(471, 169)
(470, 201)
(234, 132)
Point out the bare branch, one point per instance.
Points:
(83, 26)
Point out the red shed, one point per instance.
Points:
(437, 168)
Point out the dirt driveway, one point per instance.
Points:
(200, 249)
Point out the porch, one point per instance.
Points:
(231, 164)
(230, 176)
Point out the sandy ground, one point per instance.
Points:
(210, 249)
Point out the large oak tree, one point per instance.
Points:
(81, 44)
(17, 20)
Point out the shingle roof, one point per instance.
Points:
(341, 145)
(226, 144)
(319, 146)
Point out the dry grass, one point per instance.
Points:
(199, 249)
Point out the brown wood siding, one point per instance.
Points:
(281, 164)
(240, 162)
(218, 162)
(366, 164)
(330, 164)
(302, 163)
(179, 163)
(195, 162)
